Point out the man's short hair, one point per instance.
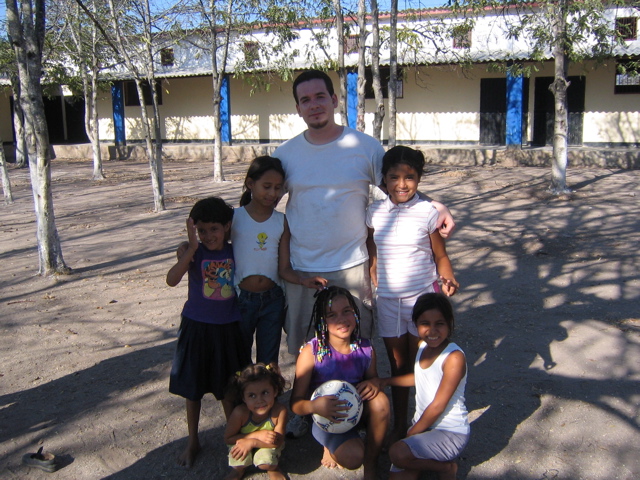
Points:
(212, 210)
(312, 75)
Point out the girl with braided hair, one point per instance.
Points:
(338, 353)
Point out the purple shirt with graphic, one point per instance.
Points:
(212, 298)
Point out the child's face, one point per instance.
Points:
(259, 397)
(212, 234)
(267, 190)
(340, 318)
(433, 329)
(402, 183)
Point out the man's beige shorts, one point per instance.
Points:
(300, 302)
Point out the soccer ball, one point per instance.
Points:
(344, 391)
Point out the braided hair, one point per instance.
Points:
(319, 323)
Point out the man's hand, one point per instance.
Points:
(445, 224)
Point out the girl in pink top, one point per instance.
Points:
(407, 258)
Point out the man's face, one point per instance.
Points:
(315, 105)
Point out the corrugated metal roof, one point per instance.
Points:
(490, 42)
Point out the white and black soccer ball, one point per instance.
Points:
(346, 392)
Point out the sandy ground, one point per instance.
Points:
(547, 315)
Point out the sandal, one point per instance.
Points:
(43, 461)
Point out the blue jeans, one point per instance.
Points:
(262, 314)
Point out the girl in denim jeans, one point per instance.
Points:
(260, 237)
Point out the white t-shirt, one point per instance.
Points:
(455, 416)
(401, 233)
(328, 189)
(255, 245)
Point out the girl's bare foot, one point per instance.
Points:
(449, 473)
(276, 474)
(327, 460)
(236, 473)
(189, 455)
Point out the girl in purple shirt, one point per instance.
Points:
(338, 353)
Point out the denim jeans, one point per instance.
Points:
(262, 314)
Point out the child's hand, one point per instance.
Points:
(192, 233)
(414, 430)
(369, 389)
(266, 436)
(330, 407)
(317, 283)
(449, 286)
(241, 449)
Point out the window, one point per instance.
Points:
(461, 36)
(166, 57)
(628, 77)
(131, 93)
(627, 28)
(251, 53)
(351, 43)
(385, 72)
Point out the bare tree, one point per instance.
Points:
(6, 181)
(379, 112)
(84, 45)
(393, 72)
(137, 53)
(216, 23)
(362, 39)
(342, 71)
(567, 31)
(26, 27)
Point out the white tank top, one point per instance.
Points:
(455, 417)
(255, 245)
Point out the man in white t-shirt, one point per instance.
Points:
(329, 169)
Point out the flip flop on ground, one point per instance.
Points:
(43, 461)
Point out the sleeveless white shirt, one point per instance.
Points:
(255, 245)
(455, 417)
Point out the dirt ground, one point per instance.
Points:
(547, 315)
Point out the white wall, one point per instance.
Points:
(439, 104)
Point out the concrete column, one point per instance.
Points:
(352, 98)
(225, 111)
(514, 110)
(117, 100)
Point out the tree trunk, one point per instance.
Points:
(18, 125)
(91, 120)
(559, 89)
(378, 115)
(342, 73)
(6, 182)
(26, 31)
(393, 74)
(362, 25)
(218, 174)
(154, 165)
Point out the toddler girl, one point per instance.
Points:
(255, 429)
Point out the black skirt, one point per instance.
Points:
(207, 356)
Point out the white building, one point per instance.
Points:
(440, 100)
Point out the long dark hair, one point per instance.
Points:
(319, 323)
(259, 166)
